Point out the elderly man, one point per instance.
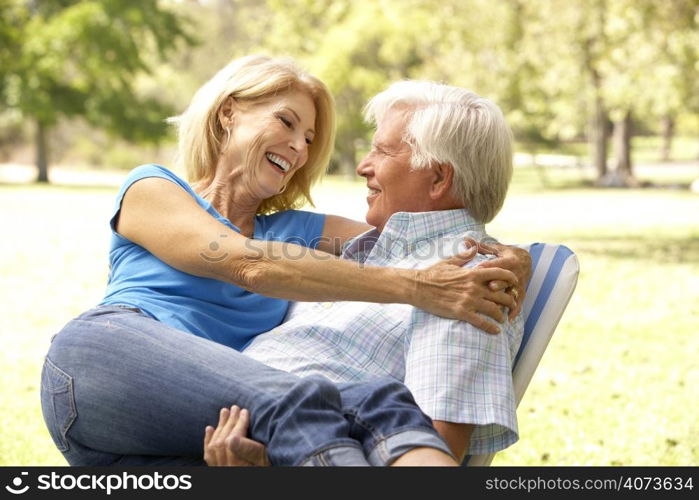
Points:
(438, 170)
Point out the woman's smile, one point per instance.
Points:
(279, 162)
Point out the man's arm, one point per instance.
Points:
(457, 372)
(461, 376)
(456, 435)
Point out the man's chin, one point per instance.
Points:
(375, 221)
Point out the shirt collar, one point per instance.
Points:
(405, 230)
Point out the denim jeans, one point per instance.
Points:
(119, 387)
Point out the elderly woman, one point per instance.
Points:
(198, 271)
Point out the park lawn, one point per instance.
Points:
(618, 384)
(644, 149)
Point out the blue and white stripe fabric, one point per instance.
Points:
(555, 271)
(456, 372)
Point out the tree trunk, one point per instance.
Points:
(598, 138)
(622, 175)
(349, 160)
(590, 42)
(622, 145)
(42, 152)
(345, 156)
(668, 131)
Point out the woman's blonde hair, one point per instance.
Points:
(201, 138)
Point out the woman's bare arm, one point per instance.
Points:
(161, 217)
(339, 230)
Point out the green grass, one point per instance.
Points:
(644, 149)
(617, 385)
(647, 148)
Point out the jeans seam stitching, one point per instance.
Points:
(63, 429)
(383, 442)
(57, 371)
(73, 409)
(319, 454)
(378, 437)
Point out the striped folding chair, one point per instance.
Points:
(554, 276)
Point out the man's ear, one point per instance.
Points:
(226, 112)
(442, 181)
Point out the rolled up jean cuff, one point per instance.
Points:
(392, 447)
(343, 454)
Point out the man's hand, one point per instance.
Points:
(227, 445)
(514, 259)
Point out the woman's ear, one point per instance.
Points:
(226, 112)
(442, 180)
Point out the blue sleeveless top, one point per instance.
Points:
(209, 308)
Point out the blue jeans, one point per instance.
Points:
(119, 387)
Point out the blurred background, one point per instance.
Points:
(603, 99)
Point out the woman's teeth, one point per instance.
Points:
(373, 191)
(279, 161)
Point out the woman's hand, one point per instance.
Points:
(227, 444)
(514, 259)
(446, 289)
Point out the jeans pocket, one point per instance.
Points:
(57, 403)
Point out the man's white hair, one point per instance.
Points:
(454, 126)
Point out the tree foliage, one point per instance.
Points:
(560, 69)
(83, 58)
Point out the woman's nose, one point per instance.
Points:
(298, 145)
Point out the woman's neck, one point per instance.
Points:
(227, 194)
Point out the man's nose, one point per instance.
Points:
(364, 169)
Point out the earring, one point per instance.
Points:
(282, 189)
(228, 139)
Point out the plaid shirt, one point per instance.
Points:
(456, 372)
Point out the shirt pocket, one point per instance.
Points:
(57, 403)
